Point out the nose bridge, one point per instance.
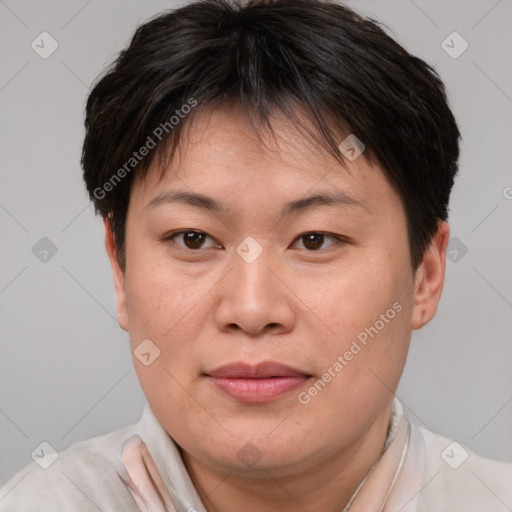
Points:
(254, 298)
(254, 280)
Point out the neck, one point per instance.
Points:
(326, 485)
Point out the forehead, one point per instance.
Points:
(222, 155)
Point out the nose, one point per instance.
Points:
(255, 298)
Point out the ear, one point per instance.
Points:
(117, 274)
(429, 278)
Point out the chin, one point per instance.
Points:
(255, 456)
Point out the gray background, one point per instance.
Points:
(66, 371)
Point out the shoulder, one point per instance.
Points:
(456, 478)
(88, 476)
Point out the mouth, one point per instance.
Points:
(258, 383)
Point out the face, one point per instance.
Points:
(325, 288)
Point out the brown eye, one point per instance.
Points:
(190, 239)
(313, 241)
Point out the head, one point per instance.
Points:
(205, 144)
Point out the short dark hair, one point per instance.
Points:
(313, 56)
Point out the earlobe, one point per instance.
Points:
(117, 275)
(429, 278)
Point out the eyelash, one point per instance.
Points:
(171, 236)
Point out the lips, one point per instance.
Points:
(262, 382)
(262, 370)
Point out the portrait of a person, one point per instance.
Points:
(274, 179)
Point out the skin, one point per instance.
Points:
(206, 307)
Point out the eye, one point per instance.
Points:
(190, 239)
(314, 240)
(195, 240)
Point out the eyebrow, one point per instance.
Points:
(336, 198)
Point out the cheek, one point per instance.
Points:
(161, 299)
(351, 298)
(163, 308)
(365, 314)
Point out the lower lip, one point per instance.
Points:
(258, 390)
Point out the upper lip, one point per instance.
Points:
(265, 369)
